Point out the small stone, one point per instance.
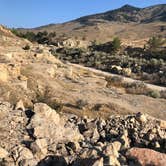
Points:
(39, 146)
(142, 118)
(112, 149)
(95, 136)
(125, 140)
(3, 153)
(73, 145)
(116, 145)
(20, 105)
(163, 124)
(156, 144)
(100, 144)
(22, 78)
(132, 120)
(111, 161)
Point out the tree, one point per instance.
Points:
(116, 44)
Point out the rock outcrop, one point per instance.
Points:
(41, 136)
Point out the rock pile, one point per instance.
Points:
(43, 137)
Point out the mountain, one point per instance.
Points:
(128, 13)
(131, 24)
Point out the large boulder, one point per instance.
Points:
(147, 157)
(48, 124)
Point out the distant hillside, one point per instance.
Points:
(130, 23)
(128, 14)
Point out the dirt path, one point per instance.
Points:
(126, 79)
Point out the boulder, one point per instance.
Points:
(146, 156)
(43, 110)
(47, 124)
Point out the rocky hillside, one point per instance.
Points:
(133, 25)
(55, 113)
(43, 137)
(128, 13)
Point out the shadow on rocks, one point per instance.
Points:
(53, 161)
(83, 162)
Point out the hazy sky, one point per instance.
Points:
(33, 13)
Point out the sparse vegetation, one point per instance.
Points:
(138, 88)
(155, 43)
(46, 96)
(154, 94)
(142, 63)
(116, 44)
(27, 47)
(41, 37)
(114, 81)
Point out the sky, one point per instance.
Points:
(34, 13)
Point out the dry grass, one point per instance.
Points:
(138, 88)
(115, 81)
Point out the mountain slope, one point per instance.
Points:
(133, 25)
(129, 13)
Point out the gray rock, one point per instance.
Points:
(39, 147)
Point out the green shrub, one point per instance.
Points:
(154, 94)
(116, 81)
(116, 44)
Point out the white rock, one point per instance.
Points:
(20, 105)
(3, 153)
(43, 110)
(142, 118)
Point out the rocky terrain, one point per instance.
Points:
(43, 137)
(55, 113)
